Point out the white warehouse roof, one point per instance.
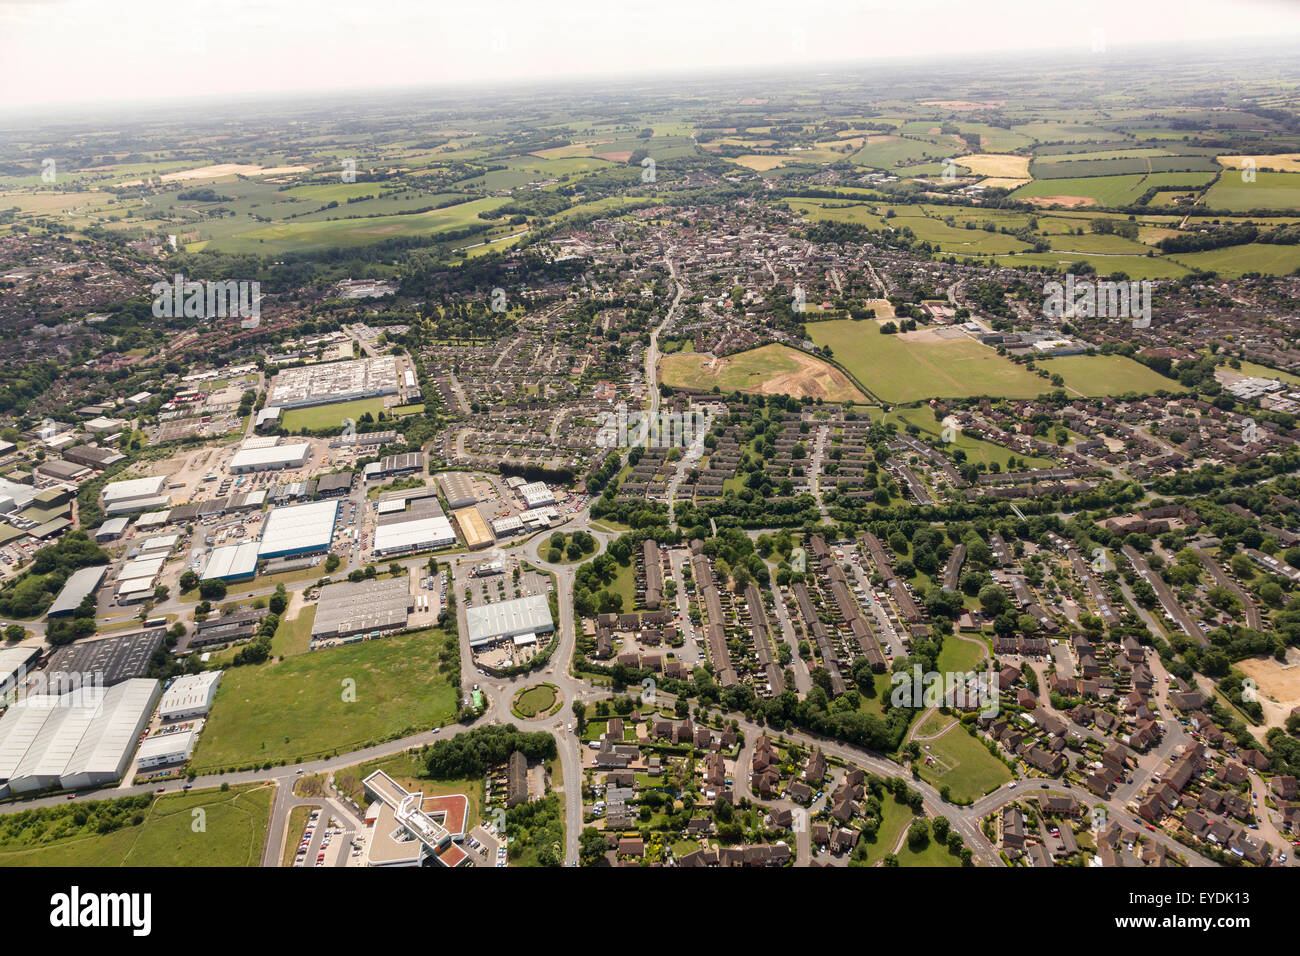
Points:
(118, 491)
(277, 456)
(189, 694)
(82, 738)
(232, 561)
(298, 528)
(420, 534)
(491, 622)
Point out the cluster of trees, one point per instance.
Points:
(33, 591)
(471, 754)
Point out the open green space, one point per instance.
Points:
(165, 834)
(899, 368)
(961, 763)
(1097, 375)
(331, 416)
(336, 699)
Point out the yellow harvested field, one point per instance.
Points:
(1070, 201)
(997, 165)
(221, 170)
(1281, 162)
(997, 183)
(761, 163)
(767, 370)
(963, 104)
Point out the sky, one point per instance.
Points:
(62, 52)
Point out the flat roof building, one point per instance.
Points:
(473, 528)
(361, 607)
(458, 488)
(536, 494)
(299, 529)
(160, 750)
(489, 623)
(134, 489)
(270, 459)
(111, 659)
(233, 562)
(112, 529)
(189, 695)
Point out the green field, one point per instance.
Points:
(233, 830)
(303, 236)
(296, 707)
(902, 371)
(331, 416)
(770, 369)
(1110, 190)
(1232, 261)
(1096, 375)
(961, 764)
(1268, 191)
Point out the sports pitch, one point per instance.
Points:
(915, 367)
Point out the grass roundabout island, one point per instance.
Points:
(536, 701)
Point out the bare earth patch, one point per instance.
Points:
(1070, 201)
(1279, 685)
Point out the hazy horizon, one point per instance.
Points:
(76, 54)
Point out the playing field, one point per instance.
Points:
(769, 370)
(232, 831)
(960, 762)
(336, 699)
(1097, 375)
(919, 366)
(331, 416)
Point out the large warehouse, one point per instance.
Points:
(299, 529)
(458, 488)
(523, 616)
(473, 528)
(233, 562)
(361, 607)
(270, 459)
(137, 494)
(80, 585)
(111, 660)
(411, 524)
(82, 739)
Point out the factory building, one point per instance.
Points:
(299, 529)
(524, 617)
(84, 738)
(270, 459)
